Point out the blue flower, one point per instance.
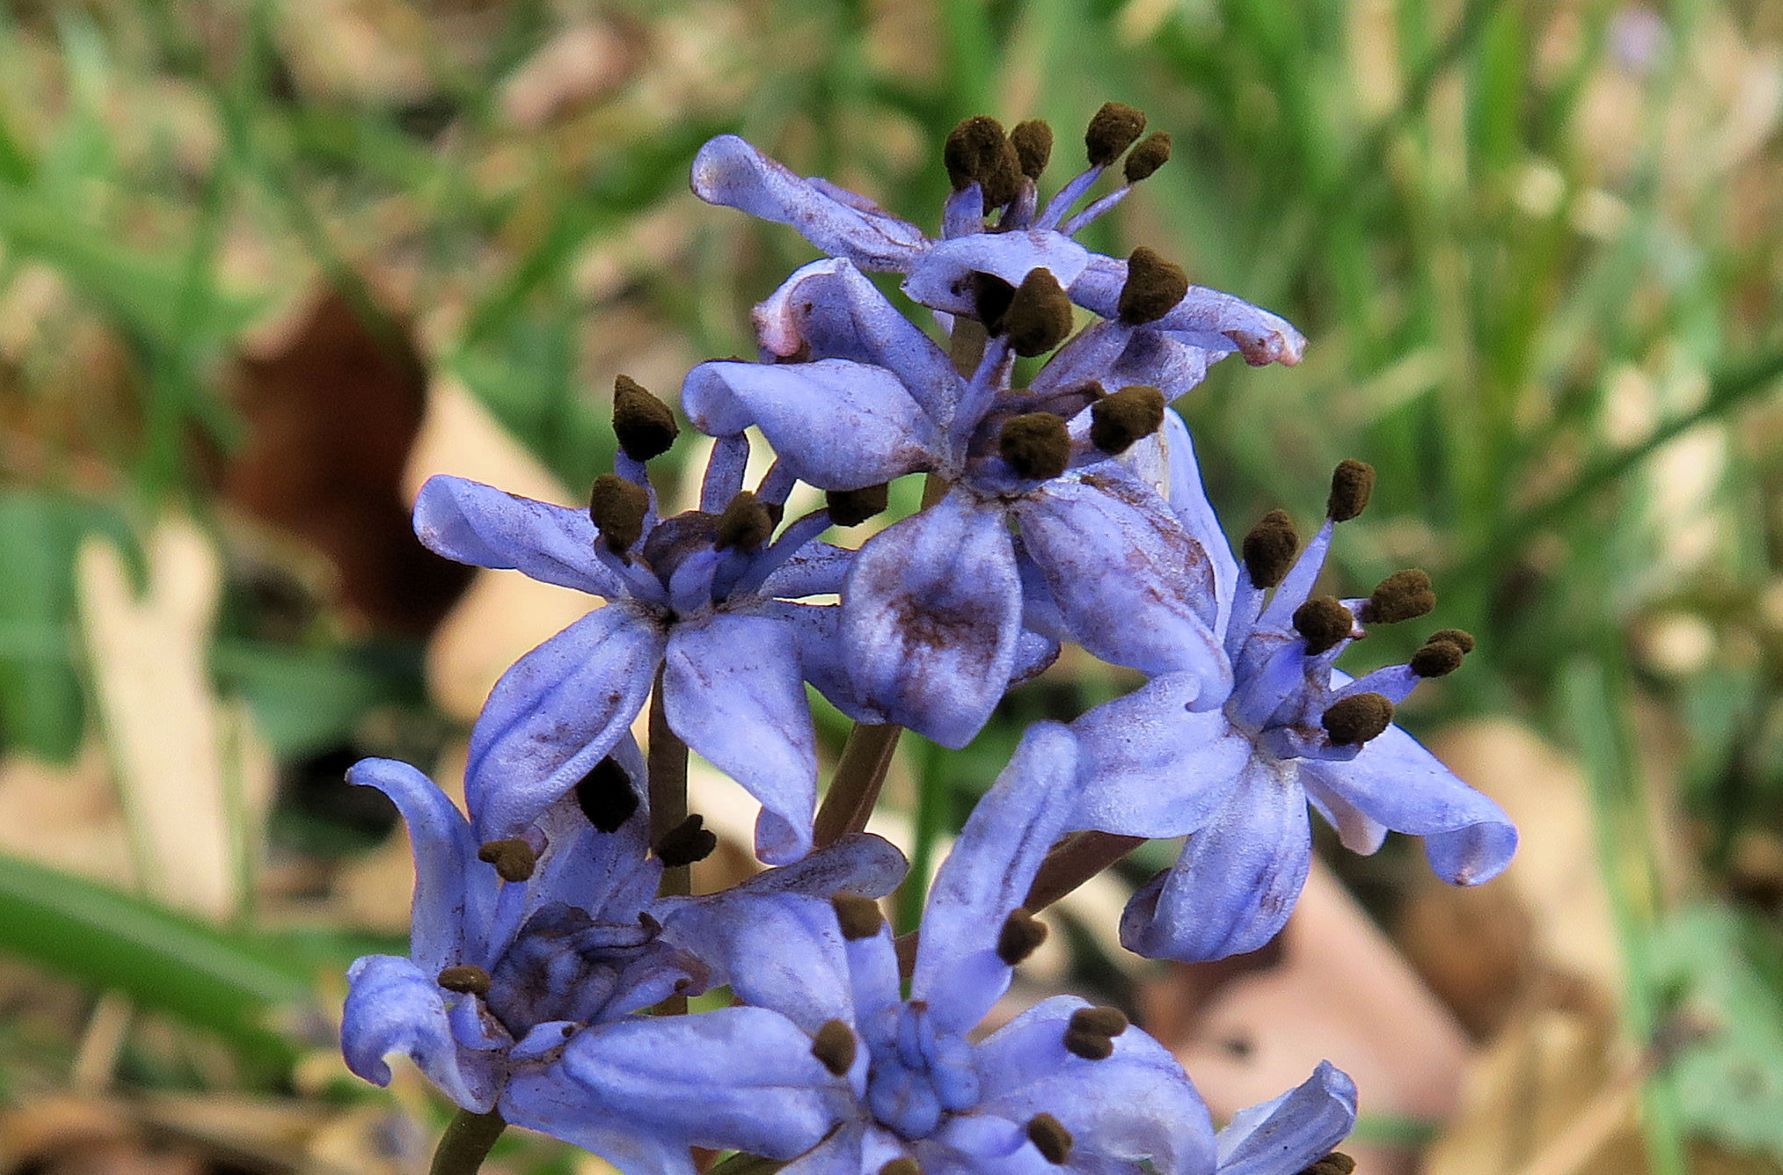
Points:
(1292, 730)
(829, 1067)
(519, 945)
(705, 595)
(1290, 1134)
(932, 621)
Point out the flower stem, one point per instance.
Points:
(466, 1142)
(854, 789)
(668, 787)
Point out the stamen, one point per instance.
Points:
(1351, 484)
(835, 1046)
(605, 795)
(746, 523)
(686, 843)
(1404, 595)
(1335, 1163)
(1354, 720)
(1036, 445)
(1050, 1138)
(1117, 421)
(859, 917)
(1112, 130)
(464, 979)
(1460, 638)
(1324, 623)
(853, 507)
(1146, 158)
(512, 857)
(617, 507)
(991, 296)
(1032, 141)
(1153, 288)
(901, 1166)
(977, 151)
(1091, 1032)
(1020, 937)
(1039, 316)
(1269, 548)
(644, 424)
(1438, 658)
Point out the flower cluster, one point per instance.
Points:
(1066, 508)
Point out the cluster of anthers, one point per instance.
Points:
(555, 937)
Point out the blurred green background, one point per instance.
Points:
(246, 249)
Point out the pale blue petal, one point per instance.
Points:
(781, 951)
(469, 522)
(1188, 501)
(826, 661)
(941, 278)
(818, 570)
(1205, 318)
(546, 1100)
(393, 1007)
(1292, 1132)
(860, 863)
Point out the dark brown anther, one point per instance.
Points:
(901, 1166)
(745, 524)
(1437, 658)
(1036, 445)
(1335, 1163)
(1091, 1031)
(1146, 158)
(1404, 595)
(1039, 316)
(1112, 130)
(1269, 549)
(1351, 484)
(853, 507)
(1117, 421)
(1354, 720)
(464, 979)
(1020, 937)
(1324, 623)
(1032, 141)
(644, 425)
(512, 857)
(605, 795)
(1460, 638)
(1153, 287)
(859, 917)
(834, 1045)
(991, 296)
(686, 843)
(977, 151)
(1050, 1138)
(618, 508)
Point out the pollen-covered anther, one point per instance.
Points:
(1050, 1138)
(644, 424)
(617, 507)
(977, 151)
(1112, 130)
(1404, 595)
(1437, 658)
(1352, 721)
(901, 1166)
(465, 979)
(605, 795)
(1324, 623)
(1032, 141)
(1335, 1163)
(991, 296)
(1020, 937)
(1269, 548)
(859, 917)
(746, 523)
(1151, 154)
(834, 1045)
(1460, 638)
(1117, 421)
(686, 843)
(1351, 484)
(1153, 287)
(853, 507)
(1036, 445)
(512, 857)
(1039, 316)
(1090, 1032)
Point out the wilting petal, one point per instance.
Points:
(941, 278)
(836, 424)
(776, 950)
(447, 901)
(1152, 767)
(469, 522)
(1188, 501)
(1134, 587)
(1237, 879)
(1292, 1132)
(987, 875)
(932, 616)
(1205, 318)
(1135, 1104)
(1467, 837)
(733, 691)
(555, 714)
(736, 1078)
(393, 1007)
